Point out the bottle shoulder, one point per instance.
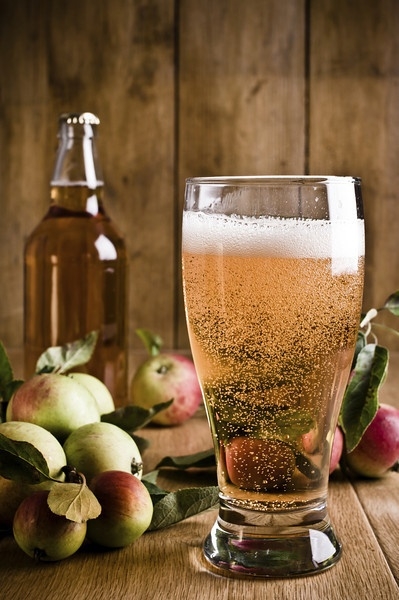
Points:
(80, 233)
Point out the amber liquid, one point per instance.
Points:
(75, 283)
(272, 338)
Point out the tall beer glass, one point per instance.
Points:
(273, 273)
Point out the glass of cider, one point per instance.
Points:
(273, 271)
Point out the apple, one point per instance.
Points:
(102, 395)
(55, 402)
(259, 464)
(337, 449)
(44, 535)
(163, 377)
(378, 449)
(11, 495)
(311, 441)
(98, 447)
(42, 440)
(13, 492)
(126, 509)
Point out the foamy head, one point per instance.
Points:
(342, 241)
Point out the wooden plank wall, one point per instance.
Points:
(196, 87)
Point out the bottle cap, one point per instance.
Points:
(85, 118)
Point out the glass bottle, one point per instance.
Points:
(76, 263)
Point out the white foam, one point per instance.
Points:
(343, 241)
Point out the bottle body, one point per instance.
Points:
(75, 267)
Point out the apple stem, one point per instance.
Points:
(73, 476)
(152, 342)
(136, 467)
(38, 554)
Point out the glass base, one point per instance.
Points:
(271, 552)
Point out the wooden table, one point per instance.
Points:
(168, 564)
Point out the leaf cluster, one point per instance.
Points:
(22, 462)
(369, 371)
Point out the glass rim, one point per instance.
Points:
(273, 180)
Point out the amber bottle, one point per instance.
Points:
(76, 264)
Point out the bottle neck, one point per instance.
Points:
(77, 183)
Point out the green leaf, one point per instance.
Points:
(69, 356)
(22, 462)
(291, 423)
(392, 304)
(360, 401)
(152, 342)
(150, 477)
(141, 443)
(6, 374)
(7, 383)
(199, 460)
(361, 342)
(177, 506)
(75, 501)
(6, 394)
(156, 493)
(133, 417)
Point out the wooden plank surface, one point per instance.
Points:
(169, 564)
(188, 88)
(114, 58)
(354, 120)
(241, 89)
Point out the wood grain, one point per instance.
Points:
(354, 118)
(189, 88)
(241, 91)
(169, 564)
(117, 60)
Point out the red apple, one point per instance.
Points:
(163, 377)
(55, 402)
(337, 449)
(126, 509)
(259, 464)
(378, 450)
(44, 535)
(312, 440)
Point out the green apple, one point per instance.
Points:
(11, 495)
(98, 389)
(126, 509)
(55, 402)
(98, 447)
(42, 440)
(13, 492)
(44, 535)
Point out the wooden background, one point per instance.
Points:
(196, 87)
